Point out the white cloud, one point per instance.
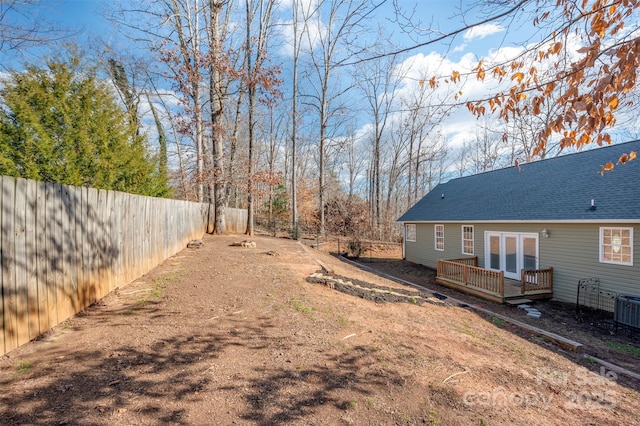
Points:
(482, 31)
(308, 32)
(460, 48)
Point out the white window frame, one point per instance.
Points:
(437, 238)
(472, 240)
(410, 232)
(602, 250)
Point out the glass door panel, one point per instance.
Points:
(529, 253)
(494, 252)
(511, 255)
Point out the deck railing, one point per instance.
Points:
(470, 261)
(471, 276)
(464, 274)
(536, 280)
(486, 280)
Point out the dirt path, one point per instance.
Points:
(233, 335)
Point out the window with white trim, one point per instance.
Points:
(439, 237)
(467, 239)
(410, 230)
(616, 245)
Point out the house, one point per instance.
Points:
(546, 225)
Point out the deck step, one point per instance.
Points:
(518, 301)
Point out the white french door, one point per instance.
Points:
(511, 252)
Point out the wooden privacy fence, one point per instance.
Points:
(65, 247)
(235, 220)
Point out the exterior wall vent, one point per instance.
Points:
(628, 310)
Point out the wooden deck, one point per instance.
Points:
(465, 275)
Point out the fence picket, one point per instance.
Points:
(67, 242)
(8, 264)
(2, 349)
(31, 258)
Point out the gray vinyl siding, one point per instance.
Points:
(573, 252)
(571, 249)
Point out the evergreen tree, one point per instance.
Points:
(62, 124)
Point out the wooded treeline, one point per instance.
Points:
(297, 111)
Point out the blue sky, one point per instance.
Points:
(462, 52)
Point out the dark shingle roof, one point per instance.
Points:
(556, 189)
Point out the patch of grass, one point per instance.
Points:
(159, 284)
(344, 321)
(591, 360)
(24, 366)
(300, 307)
(352, 405)
(463, 328)
(405, 419)
(169, 277)
(370, 401)
(432, 417)
(543, 339)
(623, 347)
(497, 321)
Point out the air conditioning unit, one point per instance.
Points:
(627, 310)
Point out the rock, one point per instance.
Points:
(195, 244)
(245, 243)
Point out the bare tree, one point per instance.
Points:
(420, 114)
(337, 24)
(258, 76)
(297, 36)
(379, 81)
(23, 25)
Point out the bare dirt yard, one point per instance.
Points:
(239, 335)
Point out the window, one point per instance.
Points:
(616, 246)
(467, 239)
(439, 237)
(410, 230)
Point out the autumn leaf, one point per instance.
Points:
(606, 168)
(556, 48)
(548, 89)
(421, 83)
(623, 159)
(470, 107)
(455, 76)
(613, 103)
(518, 76)
(433, 83)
